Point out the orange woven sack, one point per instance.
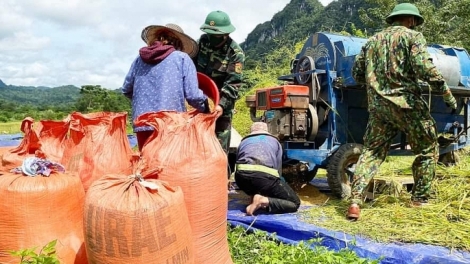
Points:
(46, 140)
(185, 150)
(98, 145)
(28, 146)
(131, 220)
(36, 210)
(52, 136)
(5, 149)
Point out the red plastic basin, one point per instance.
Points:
(208, 86)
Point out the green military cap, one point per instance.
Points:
(405, 9)
(218, 23)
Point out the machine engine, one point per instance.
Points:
(286, 110)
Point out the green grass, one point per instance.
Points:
(10, 127)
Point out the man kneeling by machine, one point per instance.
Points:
(258, 173)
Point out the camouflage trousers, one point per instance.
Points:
(385, 122)
(223, 127)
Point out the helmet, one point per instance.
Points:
(405, 9)
(217, 22)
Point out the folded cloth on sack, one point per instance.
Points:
(33, 166)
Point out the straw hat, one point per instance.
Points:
(259, 128)
(189, 44)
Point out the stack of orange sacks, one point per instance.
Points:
(104, 210)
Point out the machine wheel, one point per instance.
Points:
(340, 169)
(449, 158)
(312, 125)
(304, 64)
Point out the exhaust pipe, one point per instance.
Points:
(250, 102)
(253, 116)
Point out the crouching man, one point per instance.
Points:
(258, 173)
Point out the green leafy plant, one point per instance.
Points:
(47, 255)
(261, 248)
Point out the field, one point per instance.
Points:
(10, 127)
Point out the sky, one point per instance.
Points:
(93, 42)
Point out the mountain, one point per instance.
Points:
(40, 95)
(298, 20)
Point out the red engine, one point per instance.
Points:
(286, 110)
(286, 96)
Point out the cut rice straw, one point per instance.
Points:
(445, 221)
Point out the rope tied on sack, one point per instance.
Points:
(140, 179)
(139, 164)
(34, 166)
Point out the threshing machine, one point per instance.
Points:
(320, 115)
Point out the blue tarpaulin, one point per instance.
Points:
(10, 140)
(291, 229)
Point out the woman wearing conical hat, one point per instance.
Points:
(163, 76)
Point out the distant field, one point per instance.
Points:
(10, 127)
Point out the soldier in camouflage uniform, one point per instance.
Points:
(390, 64)
(222, 59)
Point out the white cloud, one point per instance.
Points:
(36, 70)
(12, 18)
(11, 70)
(68, 13)
(79, 42)
(77, 65)
(23, 41)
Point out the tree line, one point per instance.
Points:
(87, 99)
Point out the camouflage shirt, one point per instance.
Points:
(391, 64)
(224, 65)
